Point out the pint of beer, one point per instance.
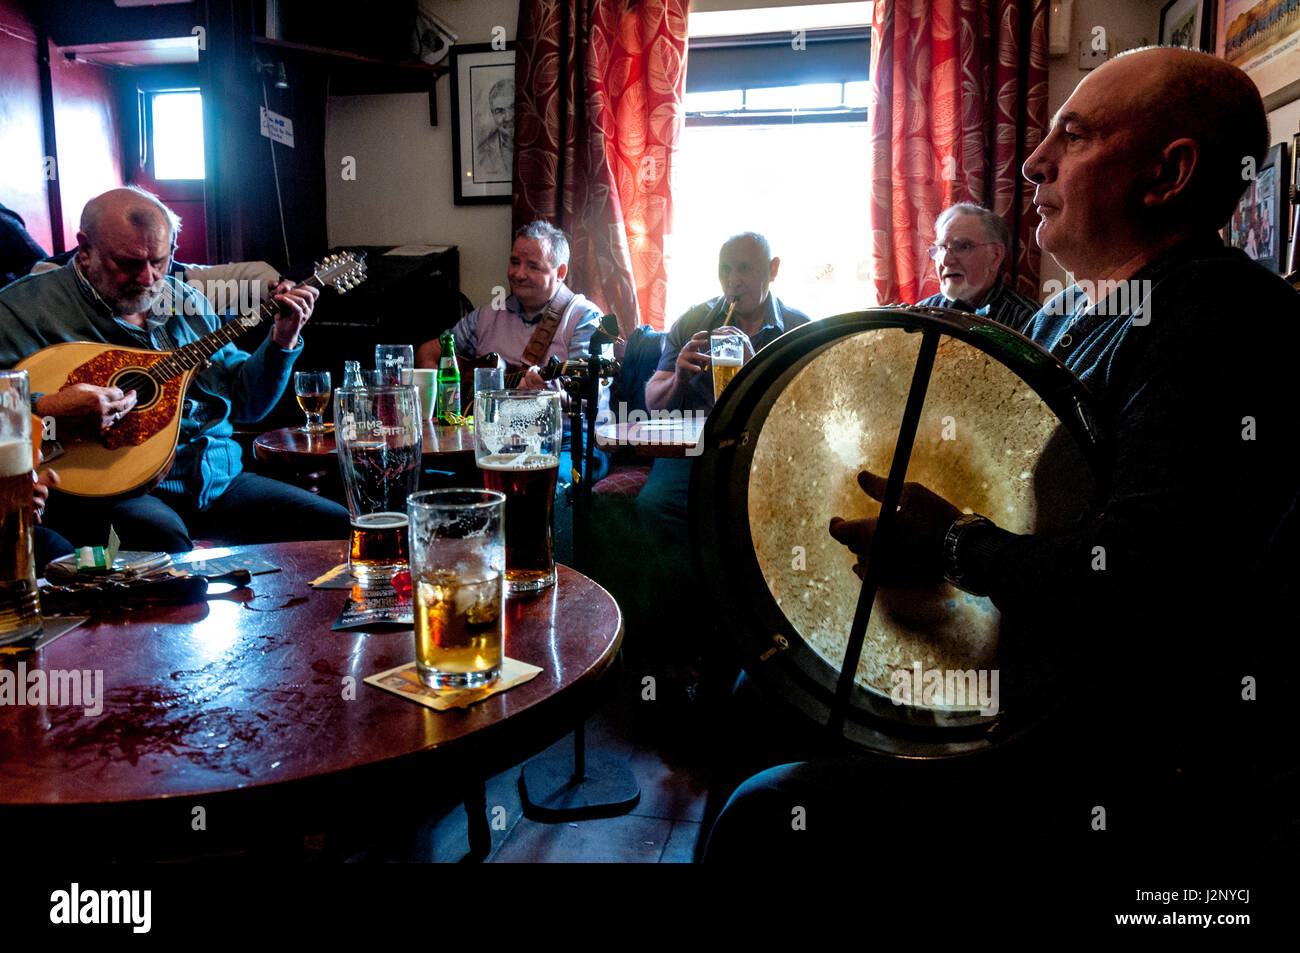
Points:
(379, 434)
(457, 575)
(20, 609)
(727, 353)
(517, 438)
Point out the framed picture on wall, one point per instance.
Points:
(1262, 37)
(1187, 23)
(1259, 225)
(482, 123)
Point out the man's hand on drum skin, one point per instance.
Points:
(105, 405)
(921, 524)
(296, 303)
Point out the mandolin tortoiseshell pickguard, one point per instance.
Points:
(138, 425)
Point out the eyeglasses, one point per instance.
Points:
(958, 246)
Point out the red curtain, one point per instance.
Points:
(598, 117)
(959, 101)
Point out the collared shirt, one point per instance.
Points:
(1005, 305)
(60, 306)
(507, 331)
(777, 319)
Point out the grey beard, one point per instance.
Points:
(140, 303)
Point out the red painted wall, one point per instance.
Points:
(86, 117)
(22, 173)
(89, 159)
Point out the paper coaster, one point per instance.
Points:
(51, 628)
(405, 681)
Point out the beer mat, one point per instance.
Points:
(336, 578)
(204, 562)
(404, 681)
(52, 627)
(378, 606)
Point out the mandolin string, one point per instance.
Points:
(192, 354)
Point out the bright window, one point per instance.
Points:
(176, 134)
(803, 186)
(776, 142)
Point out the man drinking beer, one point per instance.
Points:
(745, 270)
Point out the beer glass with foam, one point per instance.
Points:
(517, 438)
(20, 608)
(727, 353)
(457, 575)
(379, 433)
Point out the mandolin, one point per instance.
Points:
(138, 450)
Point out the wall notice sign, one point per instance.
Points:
(277, 127)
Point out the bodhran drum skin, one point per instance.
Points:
(1004, 431)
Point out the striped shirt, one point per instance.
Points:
(1005, 305)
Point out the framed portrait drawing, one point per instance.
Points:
(1259, 225)
(1187, 23)
(1262, 37)
(482, 123)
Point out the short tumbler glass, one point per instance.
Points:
(458, 561)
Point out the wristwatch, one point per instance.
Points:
(952, 546)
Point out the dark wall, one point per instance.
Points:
(243, 204)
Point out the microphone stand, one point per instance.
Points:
(595, 784)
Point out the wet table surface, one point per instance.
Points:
(249, 689)
(442, 443)
(667, 437)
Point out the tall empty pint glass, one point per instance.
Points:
(379, 430)
(20, 608)
(517, 437)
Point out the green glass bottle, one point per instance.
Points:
(448, 399)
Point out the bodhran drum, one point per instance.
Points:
(1004, 430)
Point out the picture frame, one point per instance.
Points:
(482, 123)
(1262, 37)
(1187, 23)
(1295, 168)
(1259, 225)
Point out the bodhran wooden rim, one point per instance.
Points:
(738, 488)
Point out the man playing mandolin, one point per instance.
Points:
(112, 292)
(540, 319)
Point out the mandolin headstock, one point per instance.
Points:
(344, 270)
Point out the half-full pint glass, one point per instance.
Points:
(457, 568)
(379, 433)
(517, 438)
(20, 608)
(727, 353)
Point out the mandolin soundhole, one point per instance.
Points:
(134, 379)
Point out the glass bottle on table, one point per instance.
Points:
(448, 398)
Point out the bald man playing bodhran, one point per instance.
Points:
(116, 291)
(1161, 626)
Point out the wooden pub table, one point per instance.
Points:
(443, 445)
(250, 711)
(655, 438)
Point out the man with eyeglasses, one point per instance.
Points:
(970, 246)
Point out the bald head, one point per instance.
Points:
(125, 246)
(129, 208)
(1186, 94)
